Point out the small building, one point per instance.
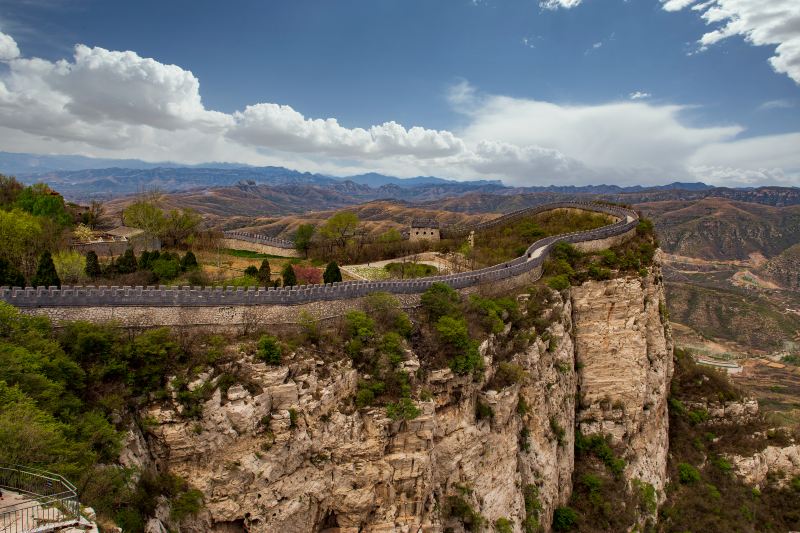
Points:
(115, 241)
(424, 230)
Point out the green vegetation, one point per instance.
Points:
(60, 391)
(687, 473)
(508, 241)
(533, 508)
(302, 239)
(458, 507)
(409, 270)
(503, 525)
(288, 275)
(564, 519)
(176, 227)
(332, 273)
(567, 265)
(46, 274)
(403, 409)
(269, 350)
(600, 447)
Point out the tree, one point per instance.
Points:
(9, 190)
(251, 271)
(46, 275)
(264, 272)
(94, 217)
(289, 278)
(10, 276)
(269, 350)
(180, 225)
(21, 239)
(70, 265)
(83, 233)
(332, 273)
(189, 261)
(145, 215)
(42, 201)
(92, 265)
(126, 263)
(302, 240)
(340, 228)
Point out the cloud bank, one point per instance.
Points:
(106, 103)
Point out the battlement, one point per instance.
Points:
(186, 296)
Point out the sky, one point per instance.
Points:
(533, 92)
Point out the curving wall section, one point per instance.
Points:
(163, 296)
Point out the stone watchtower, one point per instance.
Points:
(424, 230)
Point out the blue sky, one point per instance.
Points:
(511, 89)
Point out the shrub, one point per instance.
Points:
(559, 282)
(309, 328)
(507, 374)
(269, 350)
(503, 525)
(332, 273)
(10, 276)
(524, 439)
(264, 272)
(46, 274)
(92, 269)
(453, 332)
(687, 473)
(440, 300)
(308, 275)
(392, 346)
(599, 446)
(564, 519)
(288, 275)
(166, 268)
(186, 504)
(404, 409)
(386, 311)
(483, 411)
(189, 261)
(460, 508)
(558, 431)
(126, 263)
(70, 266)
(251, 271)
(359, 325)
(533, 507)
(293, 418)
(368, 391)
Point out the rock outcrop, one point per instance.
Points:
(289, 452)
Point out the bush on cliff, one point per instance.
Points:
(269, 350)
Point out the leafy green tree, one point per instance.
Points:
(10, 276)
(70, 265)
(40, 200)
(180, 225)
(332, 273)
(189, 261)
(340, 228)
(145, 215)
(46, 274)
(166, 269)
(126, 263)
(269, 350)
(288, 275)
(302, 240)
(440, 300)
(21, 239)
(264, 272)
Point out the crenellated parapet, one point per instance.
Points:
(528, 264)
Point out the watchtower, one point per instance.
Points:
(424, 230)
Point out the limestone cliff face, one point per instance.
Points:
(290, 453)
(623, 350)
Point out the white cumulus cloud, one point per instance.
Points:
(8, 47)
(557, 4)
(639, 95)
(760, 22)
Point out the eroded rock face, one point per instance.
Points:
(780, 463)
(624, 351)
(290, 453)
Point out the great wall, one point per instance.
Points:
(232, 306)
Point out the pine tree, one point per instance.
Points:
(332, 273)
(289, 277)
(126, 264)
(46, 275)
(10, 276)
(92, 265)
(264, 273)
(189, 261)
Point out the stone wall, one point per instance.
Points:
(215, 305)
(257, 245)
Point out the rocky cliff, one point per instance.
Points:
(288, 451)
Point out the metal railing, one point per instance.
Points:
(35, 500)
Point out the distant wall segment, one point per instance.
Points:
(216, 305)
(239, 240)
